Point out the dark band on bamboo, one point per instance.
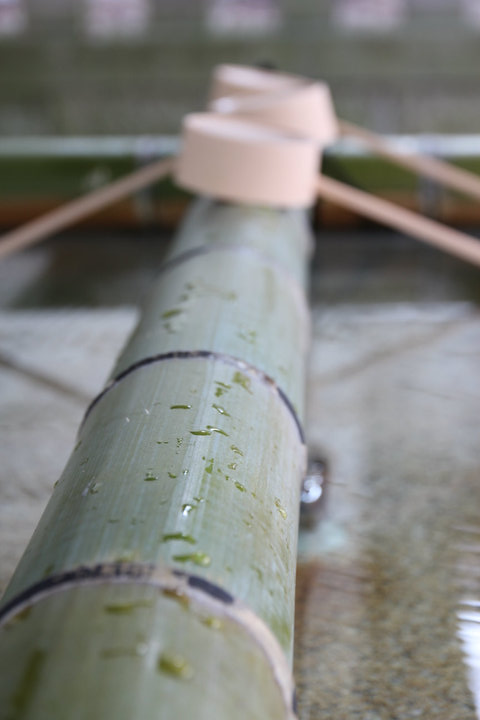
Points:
(241, 365)
(164, 580)
(263, 257)
(103, 572)
(287, 277)
(73, 577)
(215, 591)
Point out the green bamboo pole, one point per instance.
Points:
(209, 224)
(159, 582)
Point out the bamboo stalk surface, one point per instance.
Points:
(160, 580)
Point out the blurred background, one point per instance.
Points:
(76, 67)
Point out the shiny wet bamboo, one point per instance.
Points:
(160, 579)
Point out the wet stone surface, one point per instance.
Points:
(393, 403)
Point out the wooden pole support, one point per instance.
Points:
(440, 236)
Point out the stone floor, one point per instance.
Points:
(389, 580)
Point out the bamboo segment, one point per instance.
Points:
(185, 478)
(238, 293)
(229, 302)
(121, 673)
(209, 226)
(171, 459)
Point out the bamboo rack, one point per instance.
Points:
(160, 580)
(39, 174)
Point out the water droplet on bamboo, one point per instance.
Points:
(236, 450)
(125, 608)
(172, 475)
(20, 616)
(209, 467)
(249, 336)
(126, 557)
(198, 558)
(280, 509)
(212, 622)
(243, 380)
(214, 429)
(180, 407)
(177, 595)
(174, 665)
(210, 429)
(240, 487)
(171, 313)
(179, 536)
(150, 477)
(220, 410)
(221, 389)
(91, 489)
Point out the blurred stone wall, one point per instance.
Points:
(136, 66)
